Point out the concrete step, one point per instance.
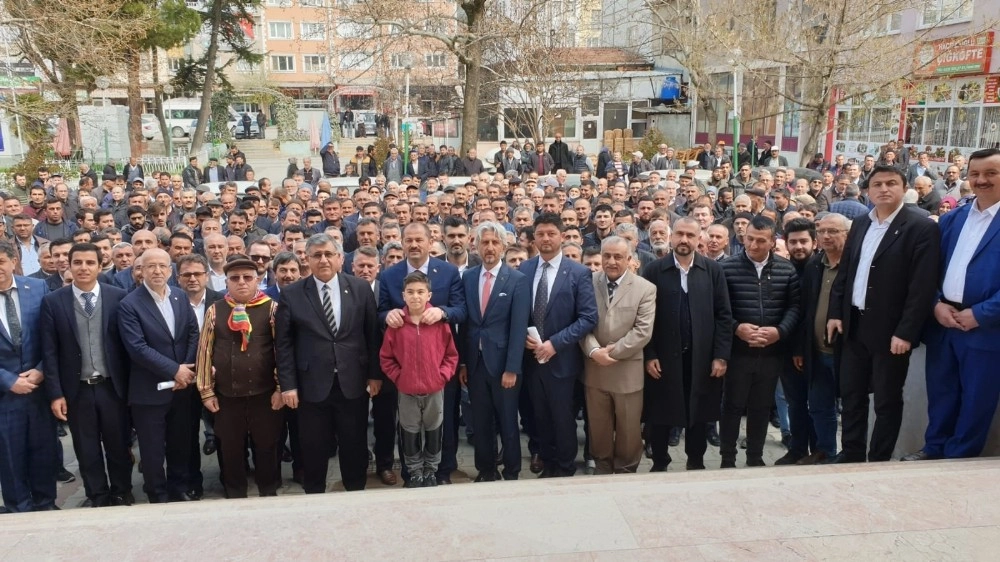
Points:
(942, 510)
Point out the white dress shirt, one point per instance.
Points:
(684, 273)
(3, 307)
(422, 269)
(758, 265)
(551, 277)
(334, 285)
(975, 227)
(199, 309)
(78, 294)
(29, 257)
(216, 281)
(876, 232)
(166, 309)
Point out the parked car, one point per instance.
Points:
(150, 126)
(216, 186)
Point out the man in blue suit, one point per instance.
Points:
(963, 384)
(160, 331)
(27, 447)
(87, 376)
(491, 351)
(564, 311)
(448, 302)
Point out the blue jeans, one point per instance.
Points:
(795, 387)
(823, 402)
(782, 406)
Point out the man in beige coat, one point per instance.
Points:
(613, 372)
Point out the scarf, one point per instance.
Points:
(239, 320)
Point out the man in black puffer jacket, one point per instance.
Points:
(764, 292)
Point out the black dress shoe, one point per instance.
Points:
(65, 476)
(919, 456)
(196, 494)
(210, 446)
(658, 468)
(712, 435)
(727, 463)
(695, 465)
(537, 465)
(844, 458)
(751, 462)
(89, 502)
(789, 458)
(486, 477)
(548, 473)
(675, 437)
(181, 497)
(3, 510)
(649, 450)
(786, 440)
(443, 480)
(431, 482)
(122, 499)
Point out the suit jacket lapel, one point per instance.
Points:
(560, 279)
(150, 304)
(70, 311)
(892, 234)
(177, 302)
(498, 286)
(346, 302)
(623, 285)
(990, 233)
(866, 222)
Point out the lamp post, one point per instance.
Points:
(737, 94)
(168, 89)
(406, 112)
(103, 83)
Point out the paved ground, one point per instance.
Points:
(72, 495)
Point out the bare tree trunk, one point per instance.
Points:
(205, 112)
(473, 76)
(711, 116)
(158, 99)
(134, 103)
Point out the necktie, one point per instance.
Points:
(485, 299)
(541, 300)
(331, 319)
(88, 303)
(13, 323)
(612, 285)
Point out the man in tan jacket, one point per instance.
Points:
(613, 372)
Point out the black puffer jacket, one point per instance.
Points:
(771, 300)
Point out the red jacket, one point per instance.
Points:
(419, 358)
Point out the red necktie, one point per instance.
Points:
(485, 299)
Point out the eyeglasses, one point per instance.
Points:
(191, 274)
(260, 258)
(248, 278)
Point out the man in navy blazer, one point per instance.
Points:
(448, 302)
(962, 382)
(87, 376)
(27, 443)
(160, 332)
(491, 350)
(563, 315)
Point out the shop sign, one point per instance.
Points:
(955, 55)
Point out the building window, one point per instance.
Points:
(174, 64)
(313, 3)
(356, 61)
(351, 30)
(435, 60)
(945, 11)
(282, 63)
(615, 116)
(314, 63)
(279, 30)
(399, 60)
(244, 66)
(311, 31)
(595, 20)
(593, 42)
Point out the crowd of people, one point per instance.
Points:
(277, 320)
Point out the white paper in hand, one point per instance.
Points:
(165, 385)
(533, 334)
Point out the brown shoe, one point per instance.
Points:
(536, 464)
(387, 477)
(815, 458)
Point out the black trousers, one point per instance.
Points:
(345, 418)
(696, 434)
(555, 417)
(164, 433)
(98, 421)
(748, 386)
(449, 443)
(864, 370)
(384, 406)
(494, 410)
(235, 419)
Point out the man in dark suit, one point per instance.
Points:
(962, 386)
(214, 172)
(499, 300)
(689, 352)
(564, 311)
(448, 302)
(326, 341)
(160, 332)
(87, 376)
(27, 432)
(880, 315)
(921, 168)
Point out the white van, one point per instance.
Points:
(181, 115)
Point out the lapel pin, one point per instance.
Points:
(434, 270)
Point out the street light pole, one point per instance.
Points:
(103, 83)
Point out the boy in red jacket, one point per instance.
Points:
(420, 359)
